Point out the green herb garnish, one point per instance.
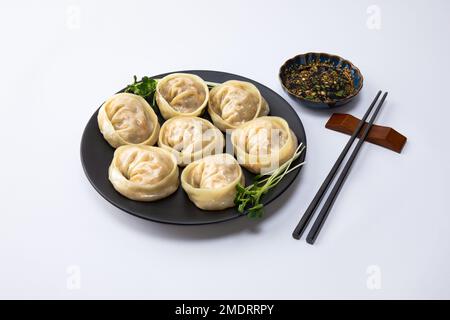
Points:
(145, 88)
(248, 199)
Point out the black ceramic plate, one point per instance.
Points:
(96, 156)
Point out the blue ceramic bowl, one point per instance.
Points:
(335, 61)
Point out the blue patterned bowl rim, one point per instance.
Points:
(307, 58)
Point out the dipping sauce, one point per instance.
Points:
(319, 81)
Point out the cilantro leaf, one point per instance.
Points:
(145, 88)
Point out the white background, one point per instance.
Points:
(390, 225)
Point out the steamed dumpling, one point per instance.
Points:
(143, 173)
(127, 118)
(181, 94)
(264, 144)
(211, 182)
(190, 138)
(233, 103)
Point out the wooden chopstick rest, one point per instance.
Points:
(383, 136)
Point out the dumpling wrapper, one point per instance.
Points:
(264, 144)
(144, 173)
(234, 102)
(127, 118)
(211, 182)
(190, 138)
(181, 94)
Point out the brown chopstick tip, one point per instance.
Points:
(383, 136)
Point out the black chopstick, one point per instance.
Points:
(323, 214)
(323, 188)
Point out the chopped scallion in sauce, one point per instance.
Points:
(319, 81)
